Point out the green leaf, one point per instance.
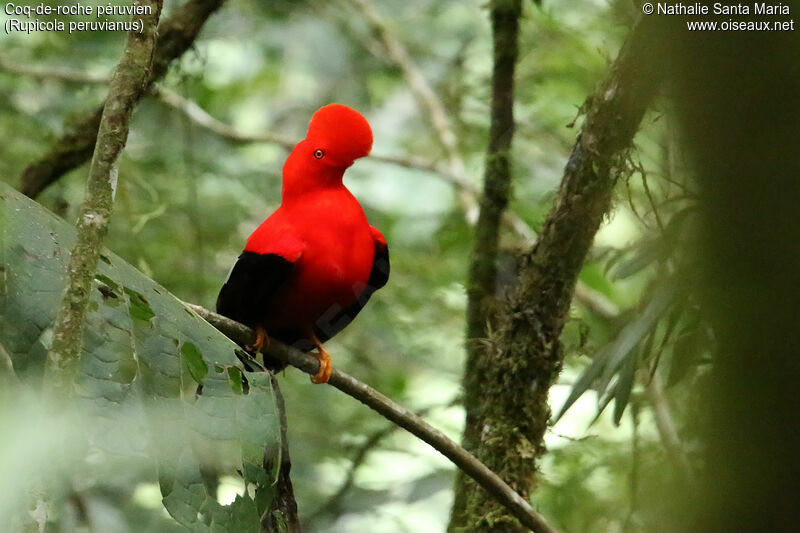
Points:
(139, 308)
(640, 326)
(644, 254)
(608, 360)
(587, 379)
(686, 353)
(194, 360)
(141, 348)
(624, 386)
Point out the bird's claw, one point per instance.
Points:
(262, 341)
(325, 367)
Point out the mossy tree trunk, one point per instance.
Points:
(481, 287)
(126, 87)
(512, 368)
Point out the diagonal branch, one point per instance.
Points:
(175, 36)
(204, 119)
(401, 416)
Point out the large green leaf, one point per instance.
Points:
(177, 380)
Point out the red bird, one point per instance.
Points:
(310, 267)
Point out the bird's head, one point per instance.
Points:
(337, 136)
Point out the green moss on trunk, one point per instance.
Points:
(127, 85)
(507, 383)
(481, 286)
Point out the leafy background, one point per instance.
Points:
(188, 198)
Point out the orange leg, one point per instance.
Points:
(262, 341)
(325, 367)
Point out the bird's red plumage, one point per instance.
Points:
(320, 226)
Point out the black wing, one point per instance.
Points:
(337, 319)
(251, 286)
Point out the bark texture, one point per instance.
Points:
(175, 36)
(510, 379)
(481, 285)
(281, 517)
(126, 87)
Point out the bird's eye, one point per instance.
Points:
(318, 154)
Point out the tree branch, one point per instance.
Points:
(126, 86)
(390, 410)
(175, 36)
(481, 283)
(666, 429)
(49, 73)
(372, 442)
(281, 516)
(525, 356)
(204, 119)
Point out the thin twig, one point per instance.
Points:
(651, 200)
(429, 103)
(372, 442)
(666, 428)
(203, 118)
(52, 73)
(392, 411)
(126, 86)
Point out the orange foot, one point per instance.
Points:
(262, 341)
(325, 367)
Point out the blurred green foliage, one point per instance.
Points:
(156, 384)
(188, 198)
